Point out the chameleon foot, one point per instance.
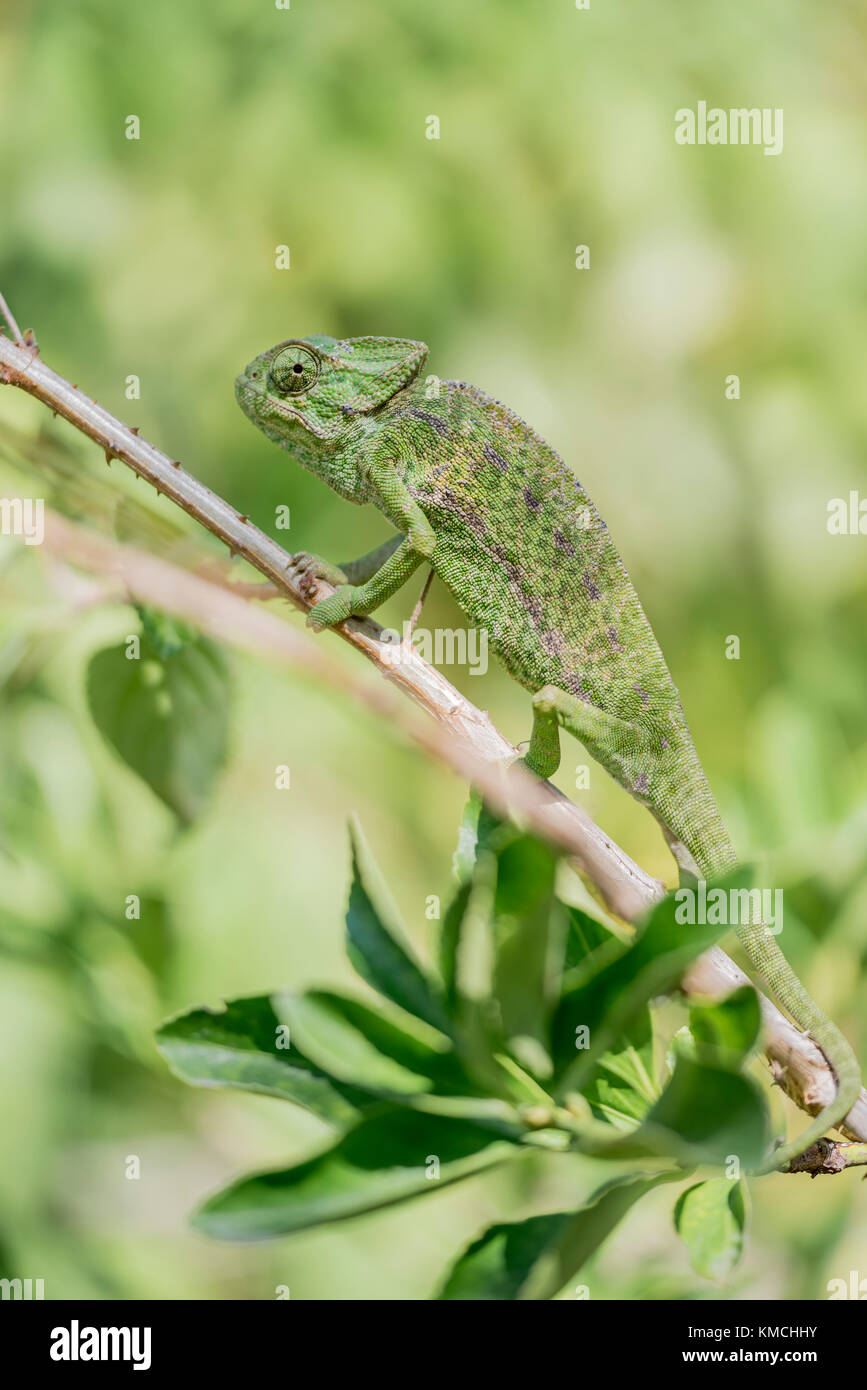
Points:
(309, 569)
(334, 609)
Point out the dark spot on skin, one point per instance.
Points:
(612, 638)
(572, 682)
(450, 499)
(551, 642)
(496, 459)
(435, 423)
(641, 785)
(510, 569)
(531, 500)
(642, 694)
(592, 589)
(563, 544)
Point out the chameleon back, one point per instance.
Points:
(528, 557)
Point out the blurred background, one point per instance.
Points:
(155, 257)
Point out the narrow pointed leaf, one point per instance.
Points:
(464, 857)
(450, 938)
(238, 1047)
(584, 936)
(534, 1259)
(603, 994)
(359, 1044)
(377, 944)
(386, 1159)
(529, 934)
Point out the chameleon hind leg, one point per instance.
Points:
(616, 744)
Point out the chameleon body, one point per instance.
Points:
(475, 492)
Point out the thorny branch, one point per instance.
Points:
(462, 737)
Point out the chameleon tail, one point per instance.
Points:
(714, 855)
(762, 950)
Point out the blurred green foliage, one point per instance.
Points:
(482, 1062)
(156, 258)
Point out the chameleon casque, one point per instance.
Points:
(473, 491)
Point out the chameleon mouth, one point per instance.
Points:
(261, 405)
(258, 403)
(245, 395)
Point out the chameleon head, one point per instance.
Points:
(318, 385)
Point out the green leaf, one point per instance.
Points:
(534, 1259)
(584, 936)
(237, 1047)
(529, 940)
(502, 948)
(603, 994)
(623, 1086)
(464, 857)
(385, 1159)
(165, 634)
(377, 945)
(477, 1022)
(151, 935)
(711, 1220)
(362, 1045)
(450, 938)
(168, 719)
(729, 1028)
(706, 1114)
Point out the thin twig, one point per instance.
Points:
(416, 612)
(825, 1157)
(12, 321)
(466, 740)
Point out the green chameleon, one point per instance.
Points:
(477, 494)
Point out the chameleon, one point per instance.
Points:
(473, 491)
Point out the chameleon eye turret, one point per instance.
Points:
(293, 371)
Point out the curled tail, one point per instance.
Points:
(712, 852)
(700, 844)
(763, 952)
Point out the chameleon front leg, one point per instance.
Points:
(615, 743)
(357, 600)
(310, 568)
(402, 560)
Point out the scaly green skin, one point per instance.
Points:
(474, 491)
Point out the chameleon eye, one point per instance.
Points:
(293, 371)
